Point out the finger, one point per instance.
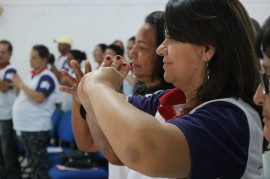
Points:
(67, 89)
(70, 79)
(117, 62)
(107, 61)
(124, 69)
(88, 67)
(77, 69)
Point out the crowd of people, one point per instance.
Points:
(190, 100)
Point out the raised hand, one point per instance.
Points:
(17, 81)
(111, 72)
(74, 81)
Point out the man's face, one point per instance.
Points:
(63, 48)
(4, 54)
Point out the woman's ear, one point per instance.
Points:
(209, 52)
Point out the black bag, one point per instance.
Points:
(82, 160)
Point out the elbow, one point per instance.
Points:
(4, 90)
(138, 153)
(109, 154)
(138, 160)
(86, 147)
(114, 160)
(82, 148)
(132, 154)
(39, 100)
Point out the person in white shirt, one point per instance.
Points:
(64, 45)
(215, 73)
(33, 108)
(9, 164)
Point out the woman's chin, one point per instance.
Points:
(167, 78)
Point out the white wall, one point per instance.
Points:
(89, 22)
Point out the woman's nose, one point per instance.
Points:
(162, 49)
(259, 97)
(133, 53)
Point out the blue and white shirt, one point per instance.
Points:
(62, 63)
(7, 99)
(30, 116)
(224, 136)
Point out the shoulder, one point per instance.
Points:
(153, 96)
(10, 68)
(219, 117)
(147, 103)
(47, 74)
(228, 106)
(226, 126)
(222, 115)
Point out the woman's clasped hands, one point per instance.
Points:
(110, 73)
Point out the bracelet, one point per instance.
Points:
(82, 112)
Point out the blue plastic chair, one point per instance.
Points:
(56, 116)
(96, 173)
(65, 134)
(66, 139)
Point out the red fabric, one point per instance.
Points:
(169, 100)
(3, 65)
(36, 72)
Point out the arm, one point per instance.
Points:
(4, 86)
(81, 130)
(38, 97)
(131, 80)
(87, 133)
(56, 72)
(101, 141)
(80, 127)
(138, 139)
(5, 83)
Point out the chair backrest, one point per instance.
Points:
(65, 132)
(56, 116)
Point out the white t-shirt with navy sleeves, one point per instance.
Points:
(62, 63)
(30, 116)
(7, 99)
(224, 136)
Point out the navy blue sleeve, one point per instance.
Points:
(218, 138)
(66, 66)
(148, 103)
(46, 85)
(8, 75)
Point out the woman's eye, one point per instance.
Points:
(142, 48)
(169, 38)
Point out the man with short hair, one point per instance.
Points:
(9, 164)
(64, 46)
